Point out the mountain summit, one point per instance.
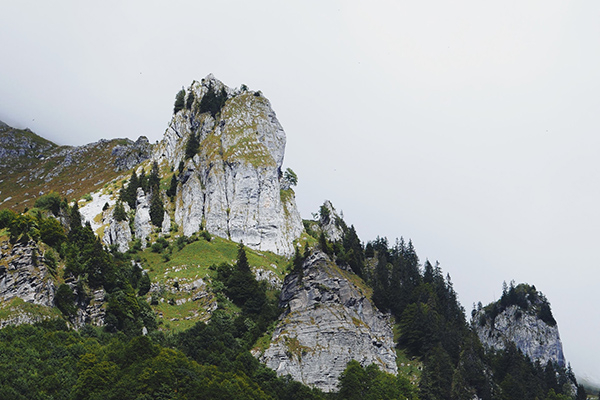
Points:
(228, 147)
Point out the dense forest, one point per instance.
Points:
(49, 360)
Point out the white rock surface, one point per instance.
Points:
(94, 208)
(328, 322)
(232, 186)
(142, 224)
(531, 335)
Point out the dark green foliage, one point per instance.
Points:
(129, 192)
(52, 232)
(353, 251)
(240, 285)
(157, 208)
(324, 244)
(358, 383)
(524, 296)
(212, 102)
(192, 146)
(144, 285)
(290, 177)
(190, 100)
(65, 300)
(180, 167)
(160, 244)
(119, 213)
(436, 381)
(179, 101)
(172, 190)
(218, 343)
(6, 217)
(50, 202)
(154, 177)
(23, 228)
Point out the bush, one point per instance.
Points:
(64, 300)
(6, 217)
(50, 202)
(52, 232)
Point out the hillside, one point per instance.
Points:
(31, 166)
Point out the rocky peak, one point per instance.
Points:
(522, 316)
(329, 320)
(231, 179)
(331, 222)
(16, 143)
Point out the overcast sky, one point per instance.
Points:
(469, 127)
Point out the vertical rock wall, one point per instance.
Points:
(328, 321)
(232, 186)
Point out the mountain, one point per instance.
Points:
(230, 146)
(31, 166)
(183, 268)
(522, 316)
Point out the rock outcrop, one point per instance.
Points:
(328, 321)
(130, 154)
(528, 324)
(231, 183)
(23, 275)
(330, 222)
(141, 225)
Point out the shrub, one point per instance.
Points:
(64, 300)
(52, 232)
(50, 202)
(6, 217)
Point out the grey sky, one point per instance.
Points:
(468, 127)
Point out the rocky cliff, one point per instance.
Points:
(329, 320)
(24, 275)
(521, 316)
(230, 182)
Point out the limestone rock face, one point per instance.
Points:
(232, 185)
(328, 322)
(117, 232)
(330, 222)
(142, 224)
(131, 154)
(536, 338)
(23, 275)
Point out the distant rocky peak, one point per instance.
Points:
(331, 222)
(522, 316)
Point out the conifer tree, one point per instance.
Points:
(157, 209)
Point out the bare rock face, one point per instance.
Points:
(23, 275)
(328, 322)
(330, 222)
(232, 186)
(532, 330)
(130, 154)
(117, 233)
(142, 224)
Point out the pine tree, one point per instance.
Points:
(179, 101)
(172, 191)
(119, 213)
(154, 178)
(157, 209)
